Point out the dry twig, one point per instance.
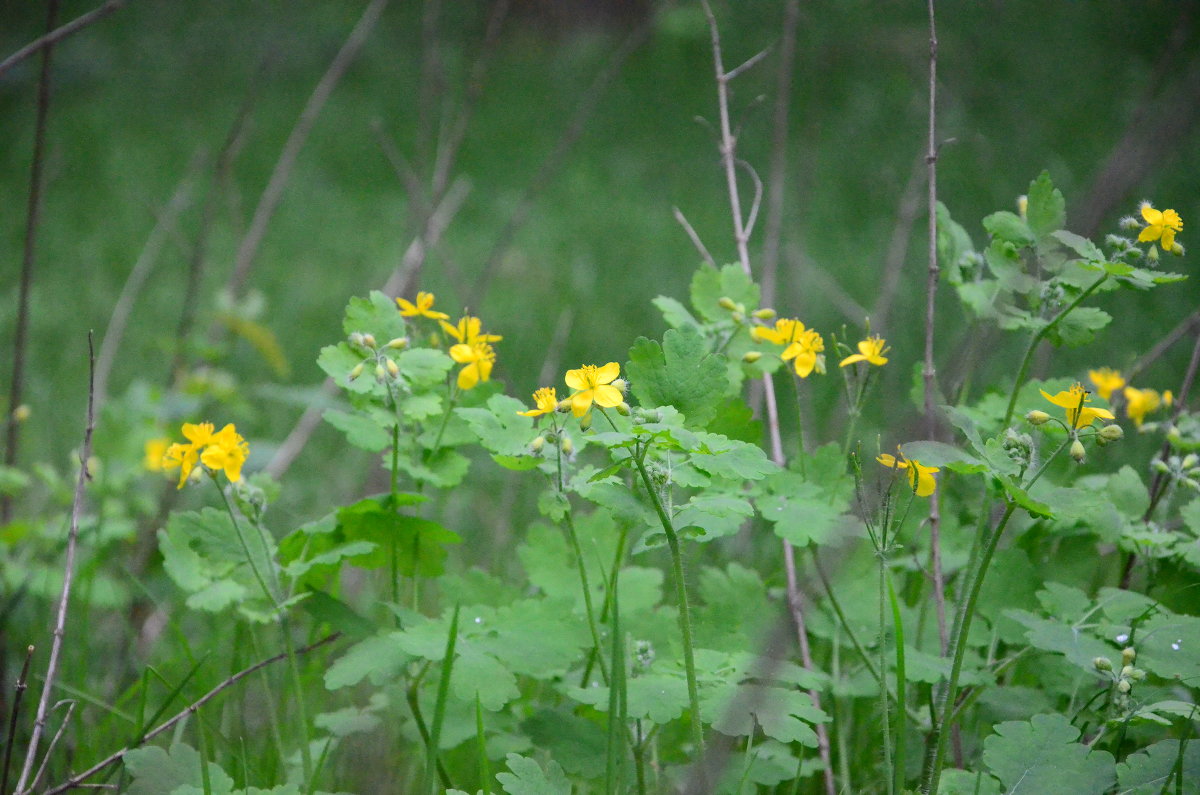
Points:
(58, 34)
(60, 623)
(777, 174)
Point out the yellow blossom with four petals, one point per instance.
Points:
(1140, 402)
(871, 350)
(469, 330)
(1079, 415)
(803, 346)
(545, 401)
(920, 477)
(1162, 225)
(224, 451)
(1106, 380)
(478, 357)
(422, 308)
(593, 384)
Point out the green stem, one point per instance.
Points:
(301, 708)
(799, 423)
(885, 719)
(685, 620)
(1023, 371)
(901, 688)
(451, 399)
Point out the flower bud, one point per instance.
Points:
(1190, 460)
(564, 405)
(22, 412)
(765, 313)
(1077, 451)
(537, 444)
(622, 385)
(1137, 675)
(398, 343)
(1128, 655)
(1124, 686)
(380, 373)
(1168, 398)
(739, 318)
(1174, 436)
(1127, 671)
(623, 409)
(728, 304)
(750, 357)
(1158, 465)
(585, 421)
(1023, 207)
(1129, 223)
(392, 368)
(1192, 483)
(356, 338)
(1036, 417)
(1102, 664)
(357, 371)
(567, 446)
(550, 437)
(1177, 249)
(1153, 254)
(368, 340)
(1112, 433)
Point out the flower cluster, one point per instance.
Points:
(803, 347)
(473, 349)
(224, 451)
(1075, 400)
(1138, 402)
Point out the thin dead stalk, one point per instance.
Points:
(929, 372)
(145, 263)
(58, 34)
(11, 740)
(741, 232)
(187, 711)
(33, 217)
(897, 250)
(271, 196)
(693, 236)
(579, 119)
(60, 623)
(1173, 336)
(62, 727)
(777, 173)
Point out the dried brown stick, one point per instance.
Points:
(10, 741)
(296, 440)
(693, 236)
(145, 263)
(190, 709)
(273, 193)
(62, 727)
(777, 171)
(60, 623)
(728, 147)
(1173, 336)
(58, 34)
(579, 118)
(33, 217)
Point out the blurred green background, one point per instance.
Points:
(1103, 94)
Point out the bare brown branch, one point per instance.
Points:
(58, 34)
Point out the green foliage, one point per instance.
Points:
(1042, 755)
(681, 372)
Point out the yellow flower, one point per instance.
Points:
(920, 477)
(1161, 225)
(871, 350)
(546, 401)
(1078, 416)
(593, 384)
(1140, 402)
(224, 451)
(422, 308)
(804, 346)
(478, 358)
(155, 450)
(468, 331)
(1106, 380)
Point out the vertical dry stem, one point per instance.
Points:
(777, 176)
(728, 146)
(64, 598)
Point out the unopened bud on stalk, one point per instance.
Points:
(1036, 417)
(1023, 207)
(1128, 655)
(1127, 671)
(750, 357)
(1177, 249)
(623, 409)
(1124, 686)
(537, 444)
(739, 318)
(1102, 664)
(398, 343)
(1158, 465)
(564, 405)
(357, 371)
(356, 338)
(1077, 451)
(380, 373)
(764, 313)
(567, 445)
(1190, 460)
(585, 422)
(393, 369)
(369, 340)
(1153, 255)
(622, 385)
(1112, 433)
(1130, 223)
(22, 412)
(727, 303)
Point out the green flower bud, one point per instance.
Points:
(1190, 460)
(764, 314)
(1137, 675)
(1036, 417)
(356, 338)
(1077, 451)
(1102, 664)
(567, 445)
(727, 303)
(399, 343)
(380, 373)
(368, 340)
(623, 409)
(622, 385)
(750, 357)
(1128, 655)
(1177, 249)
(1112, 433)
(392, 368)
(357, 371)
(1124, 686)
(585, 421)
(537, 444)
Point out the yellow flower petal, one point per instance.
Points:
(575, 379)
(608, 396)
(608, 373)
(1153, 217)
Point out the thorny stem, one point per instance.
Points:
(1023, 371)
(962, 630)
(685, 619)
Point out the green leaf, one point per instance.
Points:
(527, 778)
(1047, 208)
(156, 770)
(424, 367)
(377, 314)
(710, 285)
(418, 544)
(717, 515)
(1081, 246)
(1041, 756)
(1008, 227)
(940, 454)
(675, 313)
(680, 373)
(499, 427)
(784, 714)
(1167, 646)
(578, 744)
(1079, 327)
(1148, 771)
(803, 513)
(337, 614)
(723, 457)
(478, 674)
(204, 556)
(1128, 493)
(1049, 635)
(953, 245)
(364, 430)
(966, 782)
